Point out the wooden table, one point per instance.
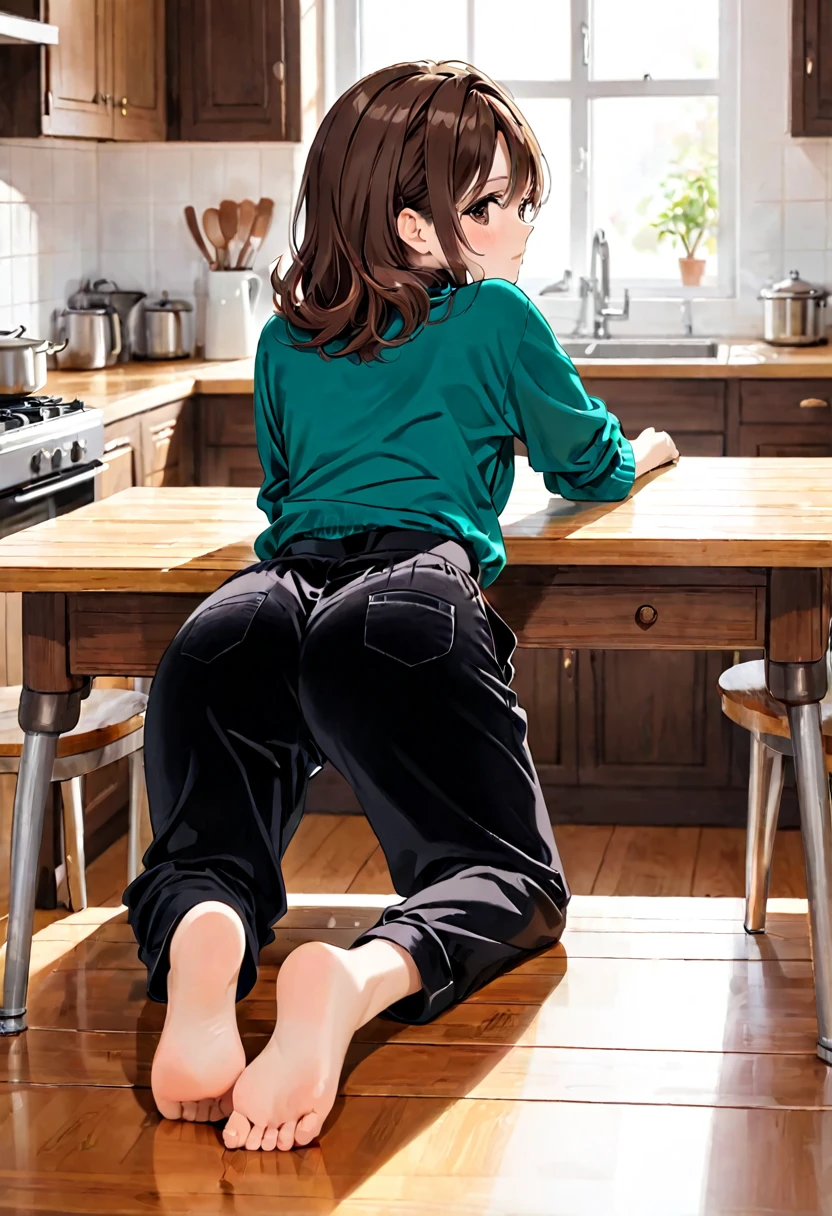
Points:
(711, 554)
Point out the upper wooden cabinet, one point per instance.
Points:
(811, 108)
(234, 69)
(104, 80)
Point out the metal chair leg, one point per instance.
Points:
(33, 781)
(816, 828)
(765, 787)
(137, 796)
(74, 854)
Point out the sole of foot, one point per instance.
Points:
(286, 1093)
(200, 1054)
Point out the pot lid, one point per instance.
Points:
(9, 343)
(793, 288)
(165, 304)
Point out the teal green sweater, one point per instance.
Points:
(423, 437)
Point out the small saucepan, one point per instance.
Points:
(23, 362)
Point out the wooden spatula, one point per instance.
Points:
(248, 211)
(213, 230)
(262, 222)
(229, 220)
(193, 228)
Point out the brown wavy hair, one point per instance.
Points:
(420, 135)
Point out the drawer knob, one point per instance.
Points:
(813, 403)
(646, 616)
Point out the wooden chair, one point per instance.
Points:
(746, 701)
(111, 726)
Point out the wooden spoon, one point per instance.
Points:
(229, 222)
(248, 211)
(193, 228)
(211, 224)
(259, 228)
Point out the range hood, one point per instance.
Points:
(22, 30)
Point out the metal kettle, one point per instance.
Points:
(92, 338)
(164, 329)
(795, 312)
(105, 293)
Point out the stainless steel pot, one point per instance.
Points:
(164, 329)
(794, 312)
(93, 337)
(23, 362)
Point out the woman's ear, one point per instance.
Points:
(415, 231)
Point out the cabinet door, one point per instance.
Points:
(652, 718)
(237, 71)
(785, 441)
(811, 101)
(139, 69)
(692, 411)
(79, 70)
(230, 466)
(544, 681)
(167, 445)
(122, 454)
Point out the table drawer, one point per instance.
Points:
(675, 406)
(640, 617)
(808, 402)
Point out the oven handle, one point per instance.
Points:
(55, 487)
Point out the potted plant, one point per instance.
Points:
(689, 217)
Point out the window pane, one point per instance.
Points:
(547, 253)
(669, 39)
(635, 142)
(393, 32)
(531, 43)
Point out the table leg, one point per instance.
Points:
(797, 637)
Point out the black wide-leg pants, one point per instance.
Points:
(383, 657)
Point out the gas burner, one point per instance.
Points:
(17, 412)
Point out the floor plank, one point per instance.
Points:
(94, 1150)
(582, 848)
(648, 861)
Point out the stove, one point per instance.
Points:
(45, 442)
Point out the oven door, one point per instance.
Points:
(36, 501)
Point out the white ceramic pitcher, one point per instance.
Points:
(230, 332)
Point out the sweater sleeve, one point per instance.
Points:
(270, 445)
(572, 438)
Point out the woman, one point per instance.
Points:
(389, 387)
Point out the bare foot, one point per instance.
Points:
(324, 994)
(200, 1054)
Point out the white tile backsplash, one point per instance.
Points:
(72, 209)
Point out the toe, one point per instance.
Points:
(216, 1113)
(236, 1130)
(227, 1102)
(255, 1137)
(269, 1139)
(189, 1111)
(203, 1109)
(286, 1135)
(308, 1128)
(169, 1110)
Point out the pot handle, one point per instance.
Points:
(50, 348)
(13, 333)
(115, 331)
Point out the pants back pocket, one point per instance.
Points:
(410, 626)
(220, 627)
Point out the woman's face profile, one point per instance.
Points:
(497, 234)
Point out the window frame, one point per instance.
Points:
(344, 27)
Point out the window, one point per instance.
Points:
(618, 92)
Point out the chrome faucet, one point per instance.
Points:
(602, 314)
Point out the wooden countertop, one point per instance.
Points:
(132, 388)
(751, 512)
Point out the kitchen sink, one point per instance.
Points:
(640, 348)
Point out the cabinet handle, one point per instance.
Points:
(569, 663)
(646, 616)
(278, 70)
(123, 104)
(813, 403)
(810, 64)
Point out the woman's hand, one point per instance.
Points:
(652, 448)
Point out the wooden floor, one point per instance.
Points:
(658, 1062)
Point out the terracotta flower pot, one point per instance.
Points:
(692, 270)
